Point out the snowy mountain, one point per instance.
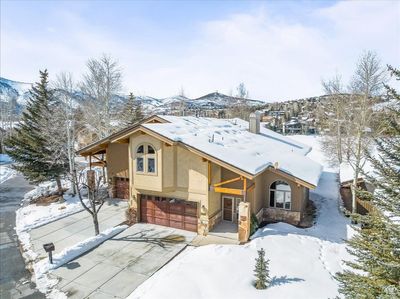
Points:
(18, 92)
(14, 90)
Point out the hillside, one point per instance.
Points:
(14, 91)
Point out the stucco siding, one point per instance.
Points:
(117, 160)
(214, 197)
(145, 180)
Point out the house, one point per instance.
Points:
(193, 173)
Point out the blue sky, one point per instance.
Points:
(279, 49)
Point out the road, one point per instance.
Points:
(14, 278)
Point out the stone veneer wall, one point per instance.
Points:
(214, 220)
(273, 214)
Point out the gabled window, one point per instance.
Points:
(146, 159)
(280, 195)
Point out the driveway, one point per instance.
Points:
(77, 227)
(14, 278)
(118, 266)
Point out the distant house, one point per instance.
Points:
(194, 173)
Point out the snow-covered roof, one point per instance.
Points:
(230, 141)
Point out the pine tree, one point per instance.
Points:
(375, 273)
(132, 111)
(36, 147)
(262, 271)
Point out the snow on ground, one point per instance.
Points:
(6, 172)
(302, 261)
(32, 215)
(41, 268)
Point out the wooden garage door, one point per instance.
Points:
(170, 212)
(122, 188)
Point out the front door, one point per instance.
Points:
(227, 203)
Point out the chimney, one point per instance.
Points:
(254, 123)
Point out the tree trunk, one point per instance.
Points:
(59, 186)
(357, 169)
(96, 224)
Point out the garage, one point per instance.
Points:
(169, 212)
(121, 188)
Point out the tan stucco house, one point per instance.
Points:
(193, 173)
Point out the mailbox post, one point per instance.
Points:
(49, 248)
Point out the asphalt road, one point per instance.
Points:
(15, 280)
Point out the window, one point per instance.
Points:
(139, 164)
(145, 159)
(151, 165)
(280, 195)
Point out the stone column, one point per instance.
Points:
(244, 221)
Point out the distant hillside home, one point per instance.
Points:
(198, 173)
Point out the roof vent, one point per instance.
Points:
(254, 123)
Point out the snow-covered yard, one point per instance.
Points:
(302, 261)
(6, 172)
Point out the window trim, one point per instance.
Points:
(285, 192)
(146, 156)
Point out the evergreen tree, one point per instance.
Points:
(132, 111)
(262, 271)
(375, 273)
(37, 147)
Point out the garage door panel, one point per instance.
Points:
(189, 210)
(190, 227)
(176, 224)
(190, 219)
(161, 214)
(169, 212)
(176, 217)
(122, 188)
(176, 209)
(161, 221)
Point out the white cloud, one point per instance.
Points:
(277, 58)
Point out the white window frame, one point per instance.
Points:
(285, 195)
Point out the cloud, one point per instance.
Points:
(276, 56)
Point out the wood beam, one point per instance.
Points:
(244, 189)
(229, 190)
(209, 173)
(228, 181)
(123, 141)
(251, 188)
(99, 163)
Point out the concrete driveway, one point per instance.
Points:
(77, 227)
(121, 264)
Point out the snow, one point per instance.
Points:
(30, 216)
(228, 140)
(33, 215)
(6, 172)
(302, 261)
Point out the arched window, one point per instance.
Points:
(145, 158)
(280, 195)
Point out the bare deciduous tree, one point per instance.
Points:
(367, 82)
(96, 191)
(64, 87)
(333, 120)
(102, 81)
(242, 91)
